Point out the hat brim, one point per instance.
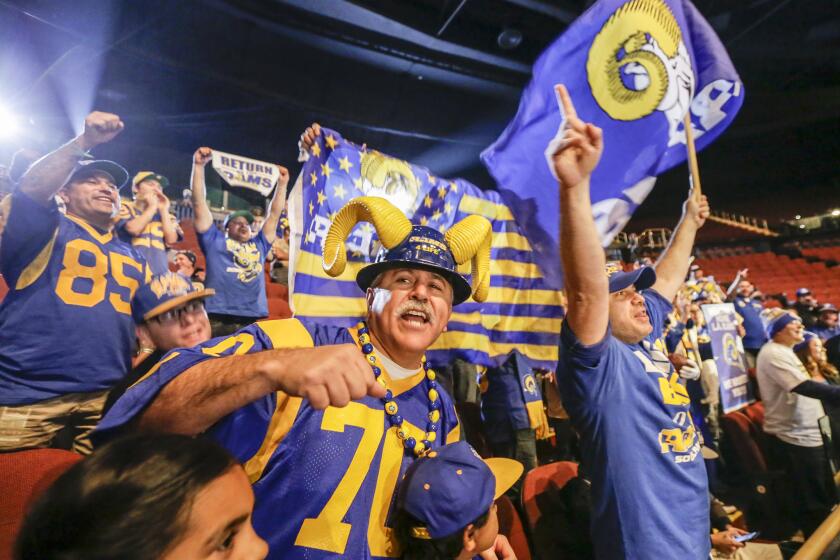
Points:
(164, 182)
(177, 301)
(642, 278)
(506, 471)
(461, 289)
(117, 172)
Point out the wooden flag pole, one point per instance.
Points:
(694, 169)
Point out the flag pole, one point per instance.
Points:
(694, 169)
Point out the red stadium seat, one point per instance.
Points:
(278, 309)
(744, 437)
(510, 525)
(26, 474)
(538, 480)
(277, 291)
(755, 412)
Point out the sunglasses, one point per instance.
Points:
(174, 315)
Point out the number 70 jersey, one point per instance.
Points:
(324, 480)
(65, 325)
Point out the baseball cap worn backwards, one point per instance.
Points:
(164, 292)
(452, 487)
(642, 278)
(87, 167)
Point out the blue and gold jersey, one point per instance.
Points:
(325, 481)
(150, 242)
(65, 325)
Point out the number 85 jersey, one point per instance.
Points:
(65, 325)
(324, 480)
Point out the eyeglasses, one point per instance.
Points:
(174, 315)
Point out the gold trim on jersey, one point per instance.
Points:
(36, 268)
(102, 238)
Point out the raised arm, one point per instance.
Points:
(278, 202)
(212, 389)
(47, 175)
(573, 154)
(203, 217)
(673, 264)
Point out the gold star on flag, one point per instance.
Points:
(316, 149)
(326, 170)
(311, 207)
(357, 254)
(367, 228)
(331, 142)
(321, 197)
(357, 182)
(441, 191)
(344, 164)
(447, 208)
(424, 221)
(313, 178)
(339, 191)
(453, 186)
(427, 201)
(432, 179)
(436, 215)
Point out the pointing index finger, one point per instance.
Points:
(565, 101)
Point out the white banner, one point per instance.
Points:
(244, 172)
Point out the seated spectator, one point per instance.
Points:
(235, 259)
(826, 326)
(165, 497)
(145, 222)
(66, 333)
(812, 354)
(792, 410)
(169, 313)
(185, 265)
(806, 307)
(446, 505)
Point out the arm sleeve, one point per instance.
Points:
(674, 336)
(583, 371)
(822, 391)
(29, 227)
(207, 239)
(657, 309)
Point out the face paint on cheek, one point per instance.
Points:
(381, 297)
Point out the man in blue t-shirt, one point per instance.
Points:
(235, 258)
(750, 310)
(66, 330)
(638, 441)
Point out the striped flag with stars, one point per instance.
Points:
(520, 312)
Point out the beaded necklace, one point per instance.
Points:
(420, 448)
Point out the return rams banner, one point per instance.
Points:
(735, 389)
(239, 171)
(633, 68)
(520, 312)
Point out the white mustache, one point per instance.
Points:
(412, 305)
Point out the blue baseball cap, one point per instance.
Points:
(164, 292)
(450, 488)
(87, 167)
(425, 248)
(642, 278)
(803, 292)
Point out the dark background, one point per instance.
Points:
(425, 80)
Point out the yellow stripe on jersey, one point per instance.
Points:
(36, 268)
(286, 333)
(281, 422)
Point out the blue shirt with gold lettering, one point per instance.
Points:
(150, 242)
(235, 271)
(65, 325)
(638, 444)
(324, 480)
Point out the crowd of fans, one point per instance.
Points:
(106, 347)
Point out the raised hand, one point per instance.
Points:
(307, 139)
(163, 203)
(696, 208)
(100, 128)
(283, 176)
(202, 156)
(575, 150)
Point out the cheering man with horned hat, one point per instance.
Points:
(327, 419)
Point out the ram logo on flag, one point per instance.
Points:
(520, 311)
(647, 63)
(239, 171)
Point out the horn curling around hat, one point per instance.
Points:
(391, 225)
(470, 239)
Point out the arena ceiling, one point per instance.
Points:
(426, 80)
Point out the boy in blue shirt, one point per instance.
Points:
(638, 441)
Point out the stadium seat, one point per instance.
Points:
(277, 291)
(25, 475)
(278, 309)
(538, 480)
(744, 439)
(510, 525)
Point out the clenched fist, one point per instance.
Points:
(100, 128)
(202, 156)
